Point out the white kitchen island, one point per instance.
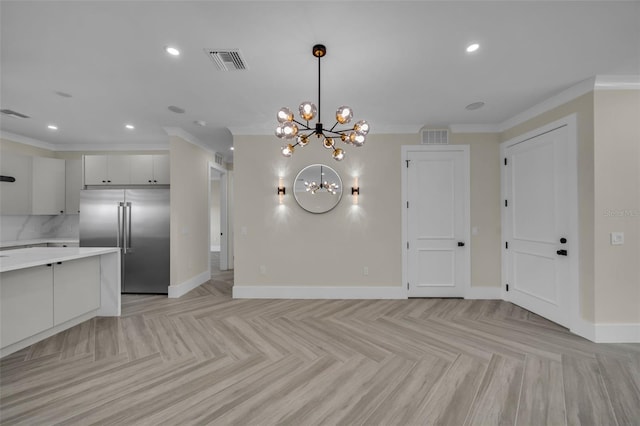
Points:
(45, 290)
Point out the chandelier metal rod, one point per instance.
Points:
(319, 103)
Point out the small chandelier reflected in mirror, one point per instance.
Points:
(292, 129)
(324, 185)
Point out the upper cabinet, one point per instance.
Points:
(107, 169)
(15, 197)
(150, 170)
(48, 193)
(126, 170)
(38, 188)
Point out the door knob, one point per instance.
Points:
(563, 240)
(460, 244)
(562, 252)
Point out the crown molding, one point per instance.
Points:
(164, 146)
(473, 128)
(561, 98)
(617, 82)
(183, 134)
(66, 147)
(14, 137)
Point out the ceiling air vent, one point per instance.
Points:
(13, 113)
(435, 136)
(219, 159)
(227, 59)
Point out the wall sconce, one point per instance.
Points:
(281, 190)
(355, 190)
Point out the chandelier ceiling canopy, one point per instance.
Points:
(299, 132)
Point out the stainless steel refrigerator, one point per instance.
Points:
(137, 221)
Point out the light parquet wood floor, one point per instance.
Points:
(208, 359)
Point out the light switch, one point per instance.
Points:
(617, 238)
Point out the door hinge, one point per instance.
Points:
(506, 203)
(505, 161)
(407, 286)
(507, 286)
(407, 245)
(407, 163)
(506, 245)
(407, 204)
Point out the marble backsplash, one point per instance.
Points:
(16, 228)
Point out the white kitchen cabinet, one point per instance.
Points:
(37, 301)
(119, 169)
(150, 169)
(126, 170)
(26, 307)
(95, 169)
(73, 186)
(107, 169)
(76, 288)
(161, 169)
(15, 197)
(141, 169)
(48, 192)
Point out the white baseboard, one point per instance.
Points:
(584, 328)
(483, 292)
(617, 333)
(185, 287)
(318, 292)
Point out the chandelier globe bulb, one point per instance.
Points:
(307, 110)
(344, 114)
(289, 129)
(328, 143)
(361, 127)
(287, 150)
(359, 140)
(284, 115)
(338, 154)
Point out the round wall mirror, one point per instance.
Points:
(317, 188)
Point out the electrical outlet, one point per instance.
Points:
(263, 270)
(365, 271)
(617, 238)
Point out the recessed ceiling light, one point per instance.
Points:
(52, 127)
(200, 123)
(172, 51)
(475, 105)
(176, 109)
(129, 126)
(472, 47)
(63, 94)
(232, 148)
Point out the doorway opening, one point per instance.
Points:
(220, 249)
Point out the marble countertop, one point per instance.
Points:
(18, 243)
(11, 260)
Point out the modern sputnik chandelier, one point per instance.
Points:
(292, 129)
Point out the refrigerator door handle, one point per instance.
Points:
(119, 228)
(127, 229)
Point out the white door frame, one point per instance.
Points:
(224, 238)
(570, 121)
(405, 215)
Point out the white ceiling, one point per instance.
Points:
(399, 65)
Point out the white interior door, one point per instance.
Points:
(438, 252)
(537, 240)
